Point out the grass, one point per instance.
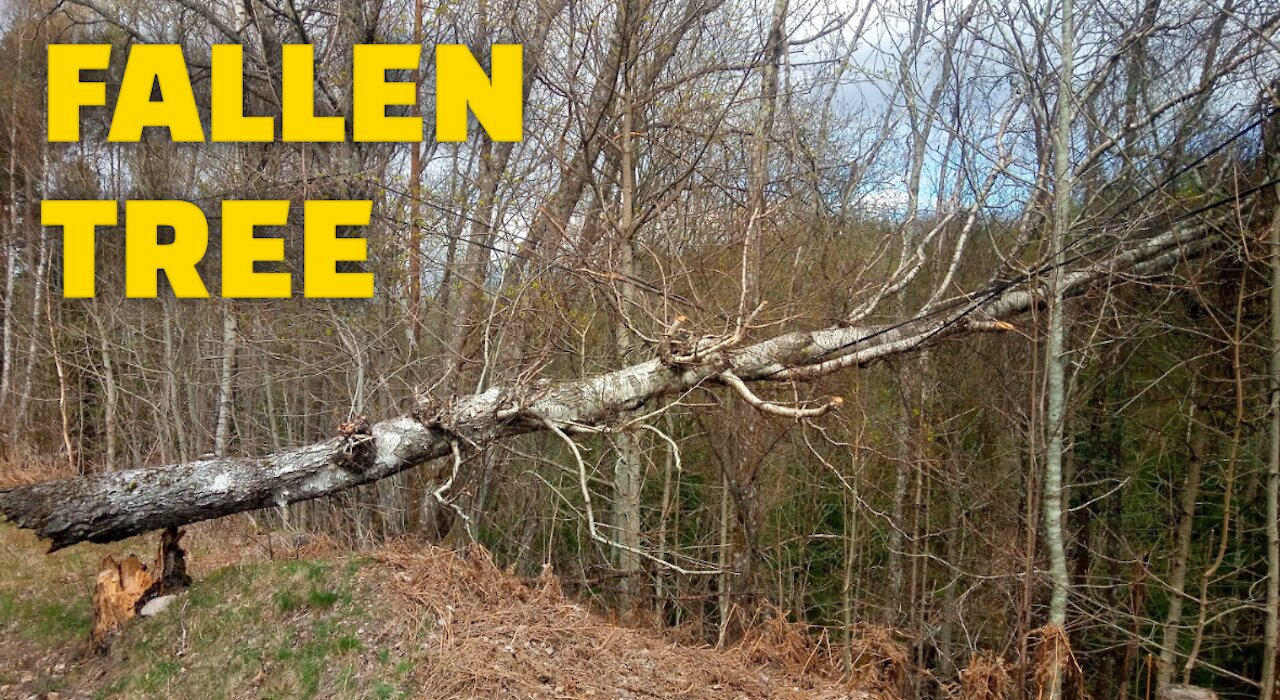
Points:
(410, 621)
(43, 621)
(303, 614)
(286, 629)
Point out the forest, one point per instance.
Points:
(950, 322)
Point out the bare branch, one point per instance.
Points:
(773, 409)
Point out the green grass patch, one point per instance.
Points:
(322, 599)
(287, 601)
(40, 618)
(285, 629)
(289, 627)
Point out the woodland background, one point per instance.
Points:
(845, 161)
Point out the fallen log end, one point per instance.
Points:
(64, 512)
(24, 507)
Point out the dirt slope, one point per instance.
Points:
(400, 621)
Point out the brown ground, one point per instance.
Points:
(404, 620)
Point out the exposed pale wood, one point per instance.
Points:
(121, 584)
(124, 586)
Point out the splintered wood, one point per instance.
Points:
(125, 586)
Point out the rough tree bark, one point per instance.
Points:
(111, 506)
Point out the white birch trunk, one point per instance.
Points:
(10, 250)
(1055, 357)
(222, 435)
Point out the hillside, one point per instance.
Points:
(399, 621)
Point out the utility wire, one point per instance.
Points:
(1001, 287)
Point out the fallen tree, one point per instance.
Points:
(112, 506)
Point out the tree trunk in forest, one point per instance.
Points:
(849, 499)
(628, 473)
(908, 375)
(473, 275)
(949, 614)
(1197, 433)
(1209, 574)
(226, 381)
(39, 283)
(554, 214)
(415, 198)
(108, 380)
(10, 248)
(1271, 632)
(775, 48)
(1055, 366)
(743, 463)
(172, 397)
(1024, 458)
(1115, 672)
(724, 595)
(897, 513)
(111, 506)
(746, 460)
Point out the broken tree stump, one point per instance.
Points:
(171, 560)
(120, 586)
(124, 586)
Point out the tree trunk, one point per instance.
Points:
(415, 199)
(170, 359)
(1055, 365)
(628, 471)
(775, 48)
(112, 506)
(108, 379)
(222, 436)
(897, 513)
(39, 283)
(10, 248)
(724, 597)
(1271, 633)
(1182, 547)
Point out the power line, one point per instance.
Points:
(997, 289)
